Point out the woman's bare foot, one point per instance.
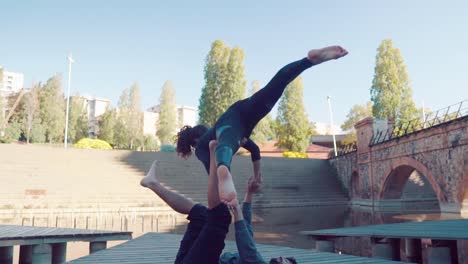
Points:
(226, 189)
(317, 56)
(151, 178)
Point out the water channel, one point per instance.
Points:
(277, 226)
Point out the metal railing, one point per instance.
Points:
(433, 119)
(342, 151)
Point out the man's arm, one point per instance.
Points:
(243, 225)
(246, 247)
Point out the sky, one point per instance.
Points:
(117, 43)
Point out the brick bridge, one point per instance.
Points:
(415, 171)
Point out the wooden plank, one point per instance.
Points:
(162, 248)
(27, 235)
(444, 230)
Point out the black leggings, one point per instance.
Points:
(203, 240)
(242, 117)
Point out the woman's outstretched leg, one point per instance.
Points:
(244, 115)
(176, 201)
(261, 103)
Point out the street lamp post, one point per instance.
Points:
(331, 124)
(70, 61)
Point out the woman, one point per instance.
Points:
(233, 128)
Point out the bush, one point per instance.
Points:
(168, 148)
(295, 155)
(4, 140)
(13, 131)
(150, 143)
(87, 143)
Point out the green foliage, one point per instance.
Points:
(87, 143)
(296, 155)
(2, 105)
(391, 92)
(292, 128)
(233, 84)
(130, 118)
(120, 134)
(356, 114)
(2, 113)
(52, 110)
(77, 119)
(13, 131)
(264, 131)
(168, 148)
(313, 129)
(37, 133)
(30, 109)
(107, 122)
(167, 121)
(1, 78)
(350, 139)
(224, 82)
(150, 143)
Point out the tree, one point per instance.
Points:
(135, 121)
(233, 82)
(1, 78)
(52, 109)
(264, 130)
(357, 113)
(208, 109)
(391, 92)
(293, 127)
(13, 131)
(130, 118)
(77, 119)
(30, 119)
(107, 122)
(2, 114)
(120, 134)
(224, 82)
(167, 121)
(2, 104)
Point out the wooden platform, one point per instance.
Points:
(49, 245)
(386, 239)
(441, 230)
(12, 235)
(162, 248)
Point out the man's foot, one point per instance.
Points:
(151, 178)
(317, 56)
(226, 189)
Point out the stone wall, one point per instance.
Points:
(345, 166)
(437, 153)
(377, 175)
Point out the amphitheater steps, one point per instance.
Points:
(48, 177)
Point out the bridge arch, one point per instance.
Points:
(399, 172)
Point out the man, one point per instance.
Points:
(203, 240)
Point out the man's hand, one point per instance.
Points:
(235, 209)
